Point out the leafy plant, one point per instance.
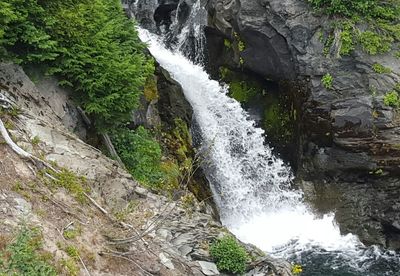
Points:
(35, 140)
(374, 43)
(242, 91)
(229, 255)
(227, 43)
(392, 99)
(23, 35)
(380, 69)
(327, 81)
(297, 269)
(140, 153)
(23, 256)
(347, 38)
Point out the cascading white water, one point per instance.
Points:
(250, 185)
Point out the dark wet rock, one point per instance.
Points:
(171, 18)
(172, 103)
(347, 136)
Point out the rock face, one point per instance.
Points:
(348, 139)
(171, 18)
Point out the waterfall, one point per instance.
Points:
(251, 186)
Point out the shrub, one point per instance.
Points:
(327, 81)
(347, 38)
(373, 43)
(392, 99)
(22, 256)
(229, 255)
(23, 36)
(90, 45)
(140, 153)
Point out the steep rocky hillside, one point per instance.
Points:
(93, 218)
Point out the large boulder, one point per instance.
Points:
(347, 135)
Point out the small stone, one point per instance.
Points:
(396, 224)
(166, 261)
(164, 234)
(185, 249)
(208, 268)
(141, 191)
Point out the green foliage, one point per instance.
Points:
(374, 9)
(278, 120)
(227, 43)
(380, 17)
(76, 185)
(23, 256)
(89, 45)
(23, 36)
(35, 140)
(72, 251)
(327, 81)
(240, 44)
(328, 44)
(70, 266)
(229, 255)
(392, 99)
(182, 140)
(140, 153)
(347, 38)
(297, 269)
(374, 43)
(71, 233)
(150, 89)
(242, 91)
(380, 69)
(101, 57)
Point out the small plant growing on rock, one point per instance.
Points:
(297, 269)
(35, 140)
(229, 255)
(380, 69)
(392, 99)
(24, 256)
(327, 81)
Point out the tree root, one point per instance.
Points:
(22, 153)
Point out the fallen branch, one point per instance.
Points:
(111, 149)
(84, 266)
(22, 153)
(104, 211)
(106, 139)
